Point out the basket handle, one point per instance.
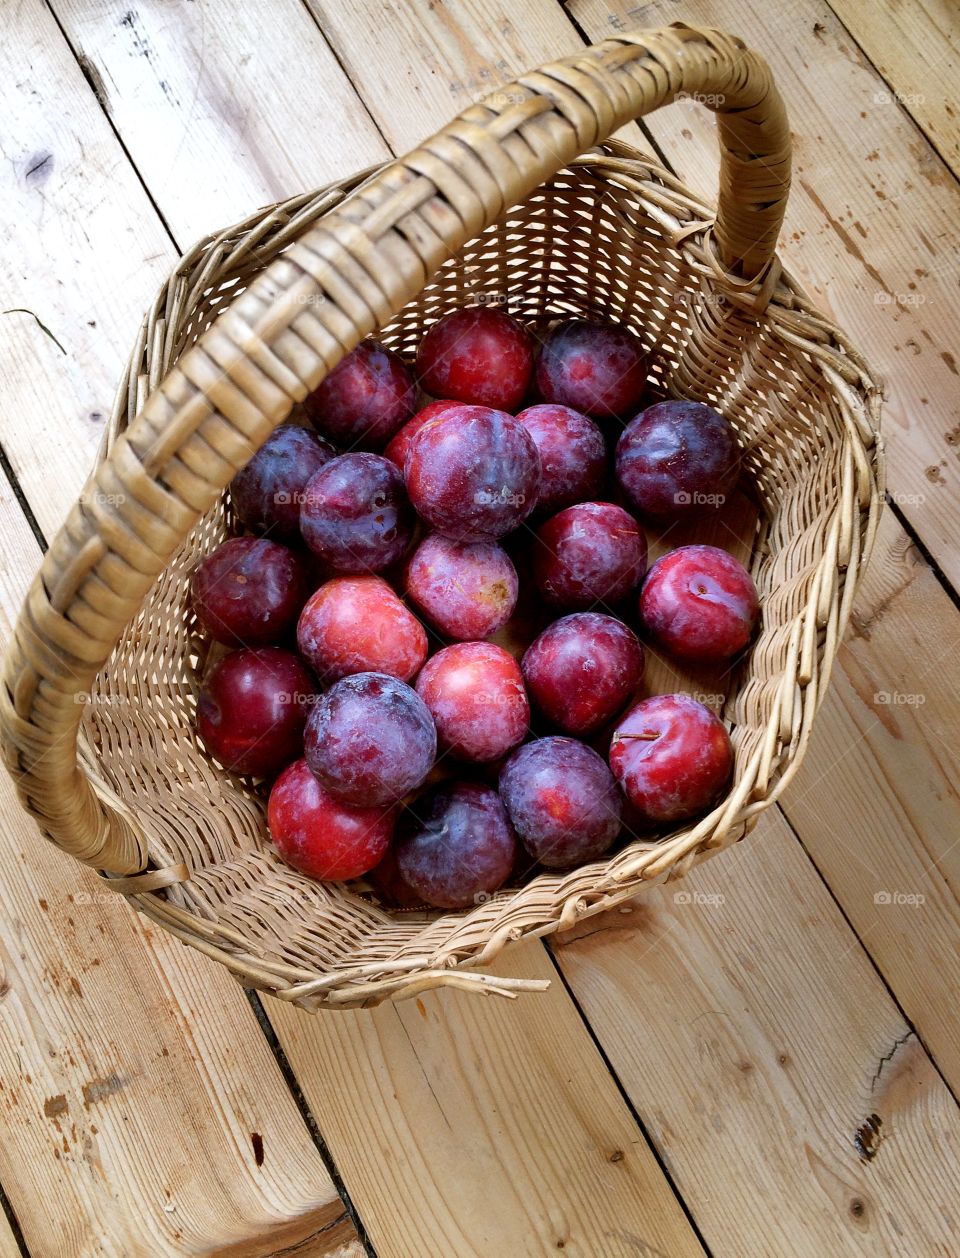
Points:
(346, 276)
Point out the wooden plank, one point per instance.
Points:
(428, 61)
(142, 1110)
(915, 44)
(772, 1066)
(81, 231)
(634, 1191)
(877, 805)
(222, 107)
(84, 251)
(515, 1139)
(872, 228)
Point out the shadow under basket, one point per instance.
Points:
(610, 235)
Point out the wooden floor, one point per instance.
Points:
(764, 1065)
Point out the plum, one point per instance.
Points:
(594, 367)
(467, 591)
(456, 847)
(672, 757)
(368, 397)
(370, 739)
(252, 709)
(267, 493)
(573, 455)
(355, 514)
(594, 552)
(249, 591)
(675, 458)
(359, 625)
(477, 355)
(320, 835)
(699, 604)
(475, 693)
(582, 670)
(562, 801)
(473, 474)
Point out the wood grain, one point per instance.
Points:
(143, 1113)
(877, 805)
(84, 252)
(636, 1191)
(219, 109)
(514, 1137)
(876, 801)
(8, 1242)
(872, 229)
(427, 61)
(915, 45)
(772, 1065)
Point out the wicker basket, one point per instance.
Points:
(101, 673)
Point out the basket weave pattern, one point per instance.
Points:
(610, 234)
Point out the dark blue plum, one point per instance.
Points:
(562, 800)
(370, 739)
(267, 492)
(355, 514)
(455, 847)
(677, 457)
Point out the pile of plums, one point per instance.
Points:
(450, 556)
